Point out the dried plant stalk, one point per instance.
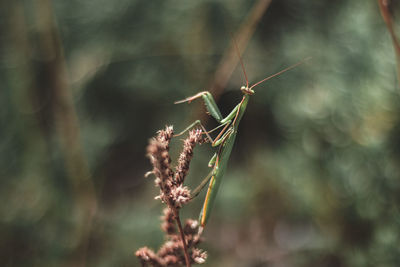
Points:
(180, 247)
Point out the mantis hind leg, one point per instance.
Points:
(203, 183)
(212, 163)
(197, 122)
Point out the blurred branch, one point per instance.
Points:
(384, 7)
(66, 122)
(230, 59)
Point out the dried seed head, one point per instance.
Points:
(171, 260)
(191, 227)
(180, 195)
(166, 135)
(157, 151)
(168, 222)
(159, 157)
(170, 248)
(185, 157)
(199, 256)
(147, 256)
(192, 233)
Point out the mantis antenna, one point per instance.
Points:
(269, 77)
(280, 72)
(241, 61)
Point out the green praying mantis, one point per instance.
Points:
(225, 139)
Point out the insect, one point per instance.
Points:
(225, 139)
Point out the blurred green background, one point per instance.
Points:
(314, 176)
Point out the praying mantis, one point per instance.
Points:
(225, 140)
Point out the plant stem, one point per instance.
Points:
(178, 221)
(67, 128)
(384, 7)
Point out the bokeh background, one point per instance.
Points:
(313, 179)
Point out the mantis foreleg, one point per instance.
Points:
(209, 101)
(214, 111)
(197, 122)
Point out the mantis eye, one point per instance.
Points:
(243, 88)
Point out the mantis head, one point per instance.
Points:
(246, 90)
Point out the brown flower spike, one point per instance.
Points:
(180, 247)
(186, 156)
